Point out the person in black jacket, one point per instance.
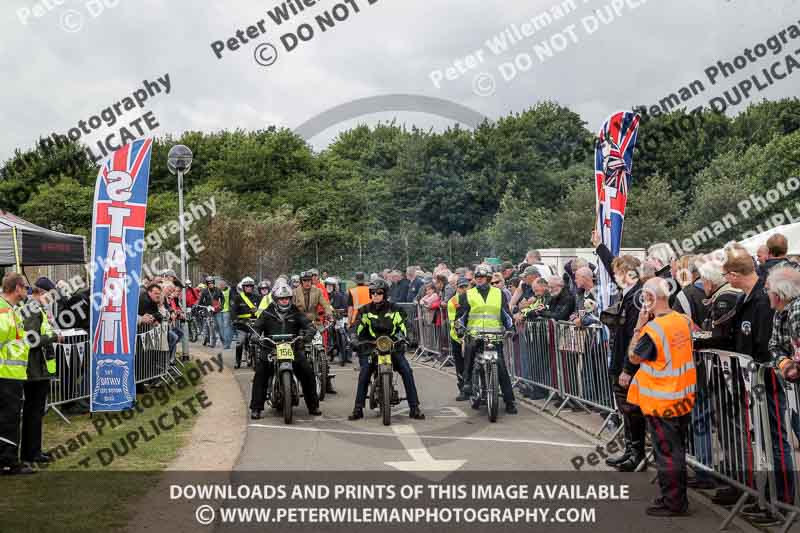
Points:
(243, 307)
(749, 333)
(625, 270)
(149, 309)
(562, 301)
(283, 318)
(691, 299)
(39, 331)
(338, 298)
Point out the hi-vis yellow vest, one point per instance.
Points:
(263, 304)
(46, 331)
(666, 387)
(452, 306)
(13, 348)
(250, 304)
(485, 315)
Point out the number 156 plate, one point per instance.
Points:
(285, 352)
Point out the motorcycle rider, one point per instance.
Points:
(310, 300)
(211, 298)
(315, 282)
(339, 304)
(265, 297)
(381, 317)
(283, 318)
(338, 299)
(243, 308)
(483, 308)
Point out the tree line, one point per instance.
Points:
(390, 195)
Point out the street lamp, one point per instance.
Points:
(179, 161)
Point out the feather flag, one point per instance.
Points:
(613, 164)
(120, 206)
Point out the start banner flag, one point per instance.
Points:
(120, 206)
(613, 165)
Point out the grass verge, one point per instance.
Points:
(99, 471)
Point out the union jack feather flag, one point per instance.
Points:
(613, 166)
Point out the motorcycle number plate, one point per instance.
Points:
(384, 359)
(285, 352)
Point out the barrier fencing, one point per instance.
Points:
(153, 361)
(745, 423)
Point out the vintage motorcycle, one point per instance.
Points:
(319, 361)
(283, 386)
(382, 386)
(485, 385)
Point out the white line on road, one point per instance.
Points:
(421, 458)
(430, 437)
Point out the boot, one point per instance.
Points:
(511, 408)
(358, 414)
(416, 414)
(255, 414)
(637, 456)
(614, 462)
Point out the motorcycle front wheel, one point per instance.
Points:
(386, 398)
(286, 387)
(491, 391)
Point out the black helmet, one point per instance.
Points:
(378, 284)
(360, 277)
(306, 275)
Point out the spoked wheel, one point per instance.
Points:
(286, 387)
(386, 398)
(323, 375)
(491, 391)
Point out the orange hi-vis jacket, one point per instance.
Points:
(360, 294)
(666, 387)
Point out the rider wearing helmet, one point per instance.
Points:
(310, 301)
(484, 308)
(338, 299)
(282, 318)
(295, 281)
(243, 307)
(264, 295)
(377, 318)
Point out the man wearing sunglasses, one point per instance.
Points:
(377, 318)
(484, 308)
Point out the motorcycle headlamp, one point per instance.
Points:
(384, 344)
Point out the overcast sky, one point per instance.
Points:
(71, 62)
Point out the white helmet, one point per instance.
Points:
(331, 281)
(247, 280)
(281, 290)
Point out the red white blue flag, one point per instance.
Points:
(613, 165)
(120, 206)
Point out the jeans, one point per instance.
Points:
(174, 336)
(223, 321)
(401, 366)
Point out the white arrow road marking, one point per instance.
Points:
(426, 437)
(421, 458)
(451, 412)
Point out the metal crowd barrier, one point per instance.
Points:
(568, 362)
(433, 342)
(743, 436)
(152, 361)
(71, 381)
(412, 324)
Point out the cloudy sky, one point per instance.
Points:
(67, 60)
